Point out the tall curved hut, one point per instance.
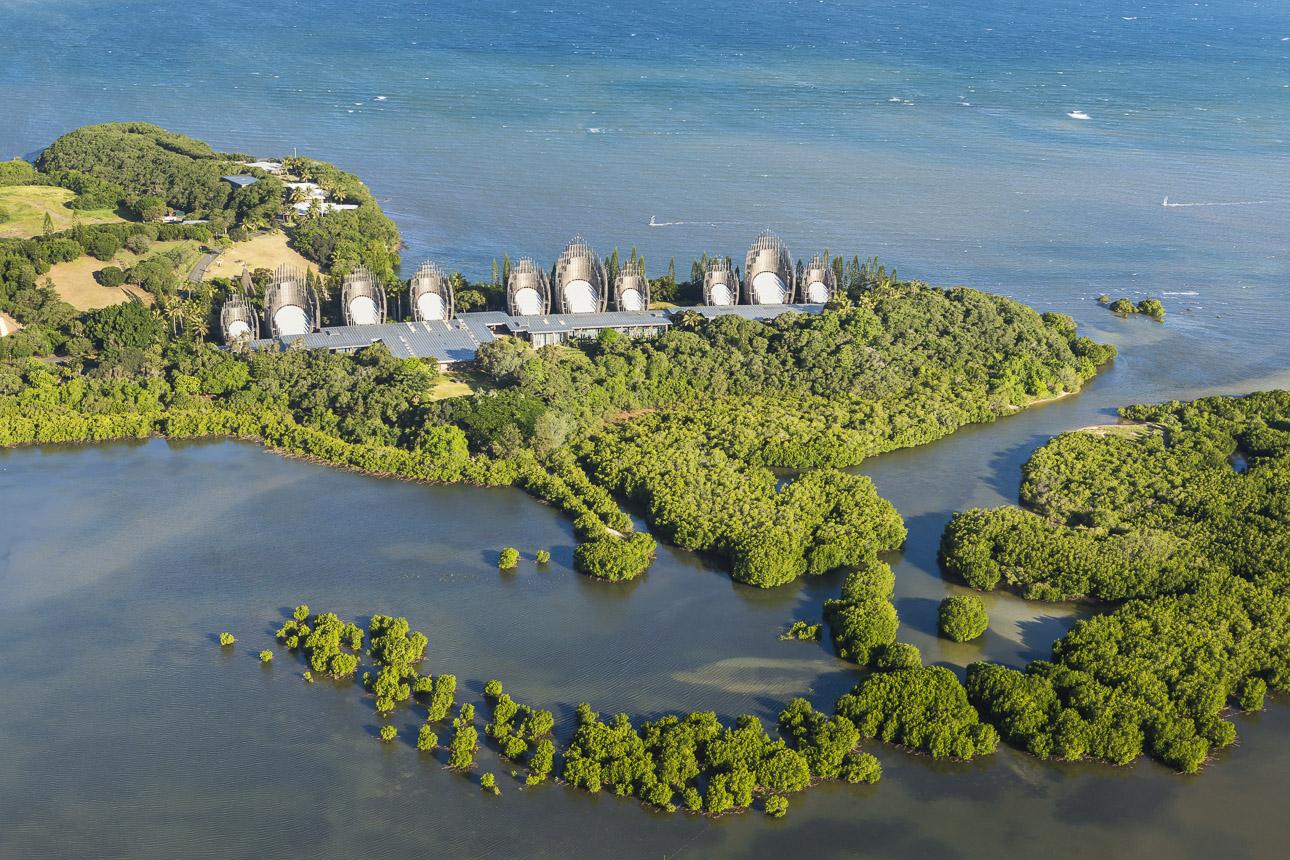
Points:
(769, 277)
(631, 293)
(431, 294)
(290, 304)
(720, 286)
(362, 298)
(238, 320)
(528, 292)
(580, 281)
(819, 282)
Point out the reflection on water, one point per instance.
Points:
(129, 732)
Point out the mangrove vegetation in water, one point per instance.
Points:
(1193, 557)
(692, 760)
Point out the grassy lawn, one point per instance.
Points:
(458, 383)
(27, 205)
(1125, 431)
(76, 285)
(262, 252)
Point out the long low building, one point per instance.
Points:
(457, 341)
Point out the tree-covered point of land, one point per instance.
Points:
(1198, 550)
(686, 425)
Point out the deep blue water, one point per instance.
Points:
(935, 135)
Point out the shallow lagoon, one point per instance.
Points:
(129, 732)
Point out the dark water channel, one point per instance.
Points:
(127, 732)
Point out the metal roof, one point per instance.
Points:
(241, 181)
(447, 341)
(748, 311)
(459, 339)
(573, 322)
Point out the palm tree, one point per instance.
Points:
(688, 320)
(196, 320)
(173, 310)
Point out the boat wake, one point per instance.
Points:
(654, 222)
(1233, 203)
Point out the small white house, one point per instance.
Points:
(324, 206)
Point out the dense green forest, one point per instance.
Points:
(129, 162)
(687, 425)
(1185, 527)
(730, 397)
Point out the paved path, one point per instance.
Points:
(199, 271)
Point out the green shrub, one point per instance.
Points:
(102, 244)
(613, 558)
(1152, 308)
(461, 749)
(802, 631)
(110, 276)
(266, 656)
(226, 639)
(492, 690)
(898, 655)
(427, 739)
(388, 733)
(301, 613)
(488, 782)
(1252, 693)
(776, 806)
(509, 558)
(962, 617)
(1123, 306)
(926, 709)
(542, 556)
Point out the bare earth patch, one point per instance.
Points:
(262, 252)
(75, 284)
(8, 325)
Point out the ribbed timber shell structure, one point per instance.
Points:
(580, 281)
(631, 293)
(362, 298)
(769, 277)
(819, 282)
(431, 294)
(238, 320)
(290, 304)
(528, 293)
(720, 286)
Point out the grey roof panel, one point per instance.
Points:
(459, 339)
